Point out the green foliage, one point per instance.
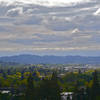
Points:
(95, 89)
(29, 94)
(37, 83)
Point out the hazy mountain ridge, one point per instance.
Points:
(34, 59)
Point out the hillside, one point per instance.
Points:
(34, 59)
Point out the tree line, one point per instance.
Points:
(50, 88)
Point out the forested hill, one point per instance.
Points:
(34, 59)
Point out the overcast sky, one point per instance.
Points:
(50, 27)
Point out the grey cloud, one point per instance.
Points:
(52, 29)
(6, 20)
(29, 20)
(4, 29)
(15, 12)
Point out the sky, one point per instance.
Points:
(50, 27)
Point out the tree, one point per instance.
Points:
(76, 92)
(88, 94)
(44, 89)
(49, 89)
(29, 95)
(68, 97)
(54, 88)
(95, 90)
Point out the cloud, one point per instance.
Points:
(15, 12)
(26, 27)
(97, 12)
(7, 36)
(76, 30)
(48, 3)
(29, 20)
(31, 11)
(57, 23)
(39, 49)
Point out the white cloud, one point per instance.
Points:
(7, 36)
(76, 30)
(15, 11)
(38, 28)
(46, 2)
(97, 12)
(37, 49)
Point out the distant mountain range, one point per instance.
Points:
(34, 59)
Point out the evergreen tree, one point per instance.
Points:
(54, 88)
(95, 90)
(88, 95)
(76, 92)
(44, 89)
(82, 94)
(68, 98)
(29, 95)
(49, 89)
